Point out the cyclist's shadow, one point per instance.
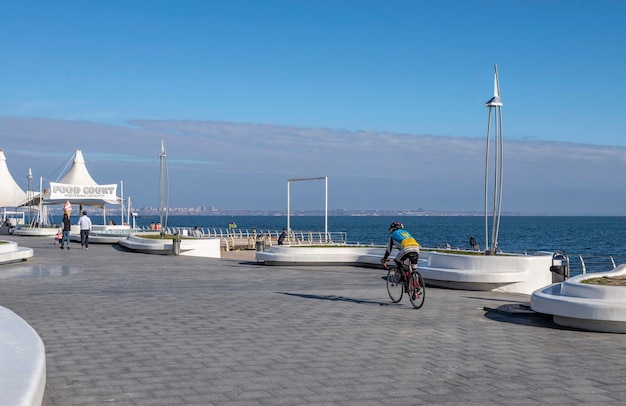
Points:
(336, 298)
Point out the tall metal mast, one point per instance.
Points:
(31, 195)
(495, 114)
(164, 203)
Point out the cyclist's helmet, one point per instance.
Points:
(396, 225)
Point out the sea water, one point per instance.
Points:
(595, 239)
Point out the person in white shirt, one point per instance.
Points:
(85, 227)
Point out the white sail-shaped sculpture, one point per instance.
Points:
(78, 173)
(11, 194)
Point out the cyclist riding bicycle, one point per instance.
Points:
(404, 241)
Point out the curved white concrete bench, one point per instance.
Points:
(320, 255)
(505, 273)
(23, 362)
(478, 268)
(193, 247)
(585, 306)
(11, 252)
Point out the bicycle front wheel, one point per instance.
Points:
(395, 286)
(417, 290)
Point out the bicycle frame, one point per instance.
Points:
(410, 280)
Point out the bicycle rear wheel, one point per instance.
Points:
(417, 289)
(395, 286)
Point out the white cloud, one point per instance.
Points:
(246, 166)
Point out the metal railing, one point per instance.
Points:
(233, 238)
(589, 264)
(578, 264)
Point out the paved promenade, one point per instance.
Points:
(122, 328)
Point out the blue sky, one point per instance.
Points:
(368, 73)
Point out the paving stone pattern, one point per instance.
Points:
(123, 328)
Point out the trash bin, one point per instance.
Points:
(560, 267)
(176, 245)
(260, 245)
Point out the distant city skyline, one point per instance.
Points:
(113, 211)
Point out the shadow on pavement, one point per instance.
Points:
(521, 314)
(335, 298)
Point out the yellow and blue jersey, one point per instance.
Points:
(402, 239)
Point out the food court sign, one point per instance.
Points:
(62, 191)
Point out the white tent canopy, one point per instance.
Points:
(78, 173)
(11, 194)
(78, 187)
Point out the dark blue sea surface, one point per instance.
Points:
(595, 239)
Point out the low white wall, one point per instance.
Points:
(201, 247)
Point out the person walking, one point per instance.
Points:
(85, 227)
(67, 227)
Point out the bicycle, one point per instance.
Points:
(405, 280)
